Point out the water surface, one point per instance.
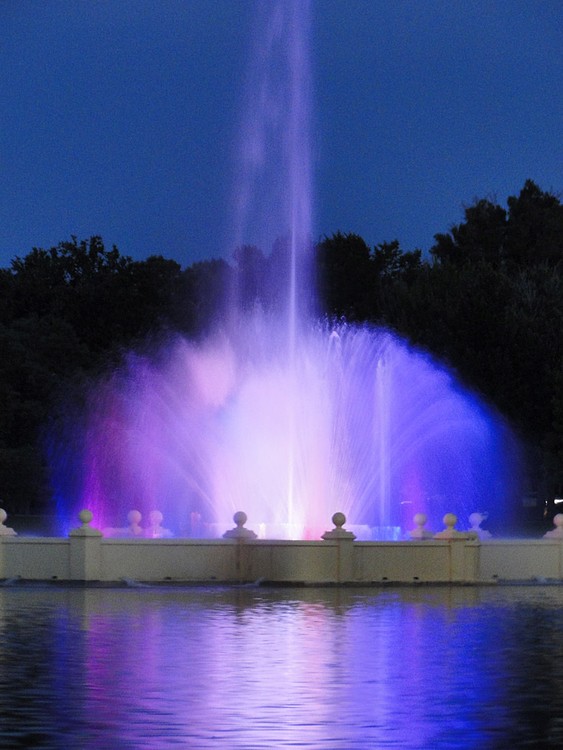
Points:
(156, 667)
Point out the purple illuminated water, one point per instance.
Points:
(274, 413)
(161, 668)
(355, 421)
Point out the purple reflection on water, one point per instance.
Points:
(240, 668)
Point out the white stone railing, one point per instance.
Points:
(337, 559)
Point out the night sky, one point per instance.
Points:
(120, 117)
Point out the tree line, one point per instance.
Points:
(488, 302)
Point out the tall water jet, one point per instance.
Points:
(274, 412)
(275, 151)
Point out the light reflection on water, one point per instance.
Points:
(251, 668)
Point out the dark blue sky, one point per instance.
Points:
(119, 117)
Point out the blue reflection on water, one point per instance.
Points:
(259, 668)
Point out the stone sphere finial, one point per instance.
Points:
(420, 532)
(85, 516)
(155, 529)
(557, 532)
(450, 532)
(155, 517)
(239, 532)
(475, 520)
(134, 516)
(339, 519)
(240, 518)
(5, 530)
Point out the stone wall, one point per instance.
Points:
(86, 556)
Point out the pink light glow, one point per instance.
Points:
(231, 424)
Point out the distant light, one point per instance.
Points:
(558, 500)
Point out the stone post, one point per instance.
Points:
(241, 535)
(344, 564)
(85, 550)
(463, 551)
(5, 533)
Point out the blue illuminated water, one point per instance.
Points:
(257, 668)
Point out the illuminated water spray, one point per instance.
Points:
(275, 187)
(275, 413)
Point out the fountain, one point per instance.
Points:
(276, 412)
(475, 520)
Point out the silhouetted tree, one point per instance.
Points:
(345, 275)
(530, 232)
(534, 232)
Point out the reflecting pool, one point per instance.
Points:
(254, 667)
